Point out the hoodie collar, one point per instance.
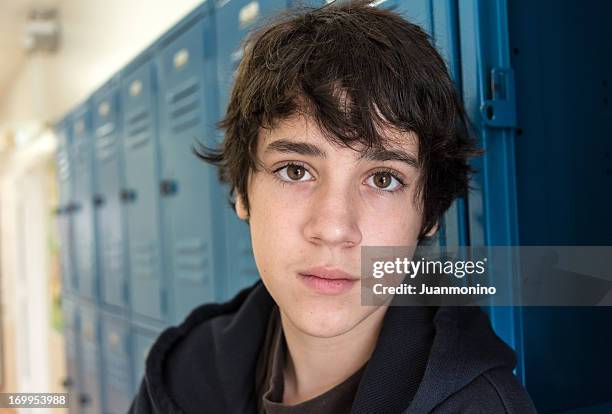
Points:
(209, 360)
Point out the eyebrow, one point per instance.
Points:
(307, 149)
(291, 147)
(381, 154)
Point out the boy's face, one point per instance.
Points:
(315, 215)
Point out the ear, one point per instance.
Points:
(241, 210)
(433, 230)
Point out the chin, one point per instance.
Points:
(324, 320)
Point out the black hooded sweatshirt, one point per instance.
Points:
(207, 364)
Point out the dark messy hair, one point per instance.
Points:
(357, 71)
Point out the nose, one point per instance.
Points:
(333, 218)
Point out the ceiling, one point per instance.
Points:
(13, 15)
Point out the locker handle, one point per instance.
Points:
(67, 382)
(168, 187)
(98, 200)
(127, 195)
(72, 207)
(84, 399)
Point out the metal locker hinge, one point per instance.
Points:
(500, 110)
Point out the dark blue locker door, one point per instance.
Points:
(117, 378)
(140, 195)
(564, 185)
(233, 20)
(64, 218)
(91, 387)
(142, 342)
(492, 215)
(71, 336)
(83, 212)
(189, 198)
(109, 213)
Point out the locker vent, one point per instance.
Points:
(192, 262)
(137, 127)
(63, 166)
(143, 259)
(105, 142)
(184, 107)
(113, 258)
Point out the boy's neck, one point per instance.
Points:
(314, 365)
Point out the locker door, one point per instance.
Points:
(83, 213)
(91, 401)
(109, 214)
(563, 180)
(71, 335)
(117, 380)
(233, 20)
(64, 219)
(143, 341)
(492, 215)
(190, 198)
(140, 195)
(490, 219)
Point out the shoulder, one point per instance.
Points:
(494, 391)
(196, 364)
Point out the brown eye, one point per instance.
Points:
(385, 181)
(295, 172)
(382, 180)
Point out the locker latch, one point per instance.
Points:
(73, 207)
(84, 399)
(500, 110)
(127, 195)
(98, 200)
(168, 187)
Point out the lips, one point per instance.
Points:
(327, 280)
(330, 273)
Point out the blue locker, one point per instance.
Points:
(140, 194)
(117, 383)
(83, 210)
(492, 220)
(191, 200)
(71, 337)
(109, 211)
(64, 210)
(143, 340)
(91, 387)
(564, 186)
(233, 20)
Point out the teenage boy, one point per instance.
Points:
(343, 130)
